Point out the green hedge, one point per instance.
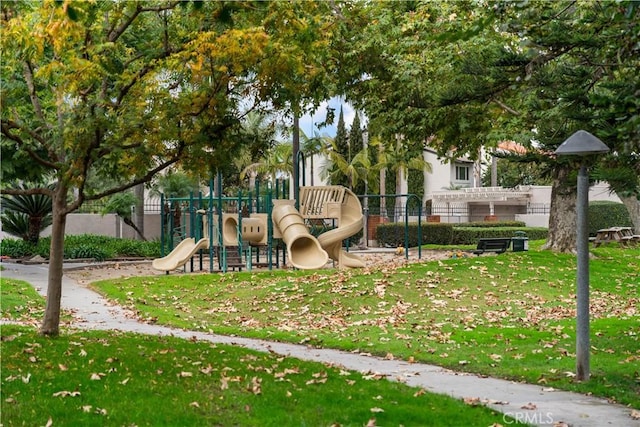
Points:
(605, 214)
(393, 234)
(470, 235)
(83, 246)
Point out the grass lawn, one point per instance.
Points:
(510, 316)
(117, 379)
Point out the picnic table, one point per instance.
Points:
(622, 235)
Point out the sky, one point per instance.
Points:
(308, 122)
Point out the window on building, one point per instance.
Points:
(462, 173)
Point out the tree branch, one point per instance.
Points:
(25, 192)
(143, 179)
(35, 101)
(505, 106)
(115, 33)
(6, 127)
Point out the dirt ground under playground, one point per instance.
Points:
(116, 270)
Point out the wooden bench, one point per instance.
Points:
(498, 245)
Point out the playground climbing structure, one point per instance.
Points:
(241, 231)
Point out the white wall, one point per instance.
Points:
(439, 178)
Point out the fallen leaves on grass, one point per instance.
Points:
(65, 393)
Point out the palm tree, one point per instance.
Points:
(174, 184)
(259, 136)
(27, 215)
(278, 160)
(313, 146)
(358, 168)
(397, 157)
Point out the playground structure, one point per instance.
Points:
(235, 236)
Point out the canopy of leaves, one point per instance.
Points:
(126, 89)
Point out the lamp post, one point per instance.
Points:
(582, 144)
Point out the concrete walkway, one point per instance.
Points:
(547, 407)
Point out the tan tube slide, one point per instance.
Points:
(349, 223)
(303, 248)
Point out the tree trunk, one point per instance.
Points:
(562, 216)
(295, 150)
(633, 206)
(494, 171)
(383, 188)
(139, 214)
(426, 189)
(135, 228)
(252, 180)
(401, 188)
(51, 322)
(35, 224)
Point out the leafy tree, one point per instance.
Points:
(516, 169)
(530, 71)
(121, 204)
(128, 89)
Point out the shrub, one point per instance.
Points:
(470, 235)
(487, 224)
(135, 248)
(393, 234)
(83, 246)
(605, 214)
(86, 251)
(15, 248)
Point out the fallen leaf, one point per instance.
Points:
(635, 414)
(49, 423)
(473, 401)
(371, 423)
(65, 393)
(185, 374)
(194, 404)
(530, 406)
(376, 410)
(255, 387)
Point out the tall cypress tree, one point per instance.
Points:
(341, 142)
(356, 144)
